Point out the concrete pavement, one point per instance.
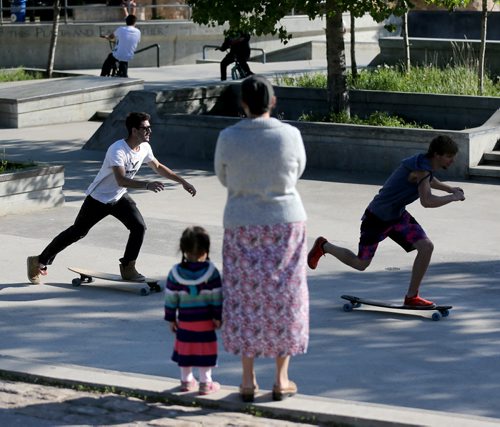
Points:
(368, 367)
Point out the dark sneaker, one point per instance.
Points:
(35, 269)
(128, 272)
(316, 252)
(417, 301)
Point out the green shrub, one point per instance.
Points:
(458, 80)
(378, 118)
(17, 74)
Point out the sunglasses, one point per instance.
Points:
(147, 129)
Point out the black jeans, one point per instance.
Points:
(110, 65)
(93, 211)
(229, 59)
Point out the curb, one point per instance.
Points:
(300, 408)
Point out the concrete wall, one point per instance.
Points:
(330, 146)
(452, 25)
(31, 189)
(439, 111)
(80, 47)
(437, 51)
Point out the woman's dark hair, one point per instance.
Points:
(194, 240)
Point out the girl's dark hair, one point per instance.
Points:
(194, 240)
(134, 120)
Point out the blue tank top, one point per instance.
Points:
(397, 192)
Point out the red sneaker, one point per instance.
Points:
(417, 301)
(316, 252)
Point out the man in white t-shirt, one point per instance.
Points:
(107, 195)
(126, 40)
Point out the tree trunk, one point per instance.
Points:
(354, 66)
(338, 97)
(53, 38)
(406, 41)
(482, 53)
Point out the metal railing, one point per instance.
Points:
(157, 46)
(215, 47)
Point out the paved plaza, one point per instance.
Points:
(369, 363)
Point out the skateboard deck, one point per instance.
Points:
(356, 302)
(88, 276)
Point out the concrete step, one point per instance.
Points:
(490, 171)
(100, 116)
(61, 100)
(492, 156)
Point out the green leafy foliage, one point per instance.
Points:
(18, 74)
(459, 80)
(6, 166)
(377, 118)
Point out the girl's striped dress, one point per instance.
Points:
(193, 297)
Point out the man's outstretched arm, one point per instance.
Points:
(168, 173)
(430, 200)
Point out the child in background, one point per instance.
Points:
(193, 306)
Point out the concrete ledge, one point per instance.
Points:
(62, 100)
(31, 189)
(300, 408)
(330, 146)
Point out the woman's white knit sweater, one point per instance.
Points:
(260, 161)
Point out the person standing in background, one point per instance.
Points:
(126, 39)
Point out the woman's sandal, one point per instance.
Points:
(247, 394)
(283, 393)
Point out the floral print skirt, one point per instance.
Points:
(266, 301)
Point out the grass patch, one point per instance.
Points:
(6, 166)
(18, 74)
(458, 80)
(378, 118)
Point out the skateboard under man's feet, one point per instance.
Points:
(356, 302)
(87, 276)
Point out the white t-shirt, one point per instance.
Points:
(127, 39)
(105, 188)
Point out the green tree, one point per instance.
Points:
(53, 38)
(482, 50)
(261, 17)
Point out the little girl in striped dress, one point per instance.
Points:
(193, 306)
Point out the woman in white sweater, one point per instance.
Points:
(266, 301)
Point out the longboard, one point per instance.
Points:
(88, 276)
(356, 302)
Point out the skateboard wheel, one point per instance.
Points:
(445, 313)
(436, 316)
(357, 305)
(144, 292)
(348, 307)
(76, 282)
